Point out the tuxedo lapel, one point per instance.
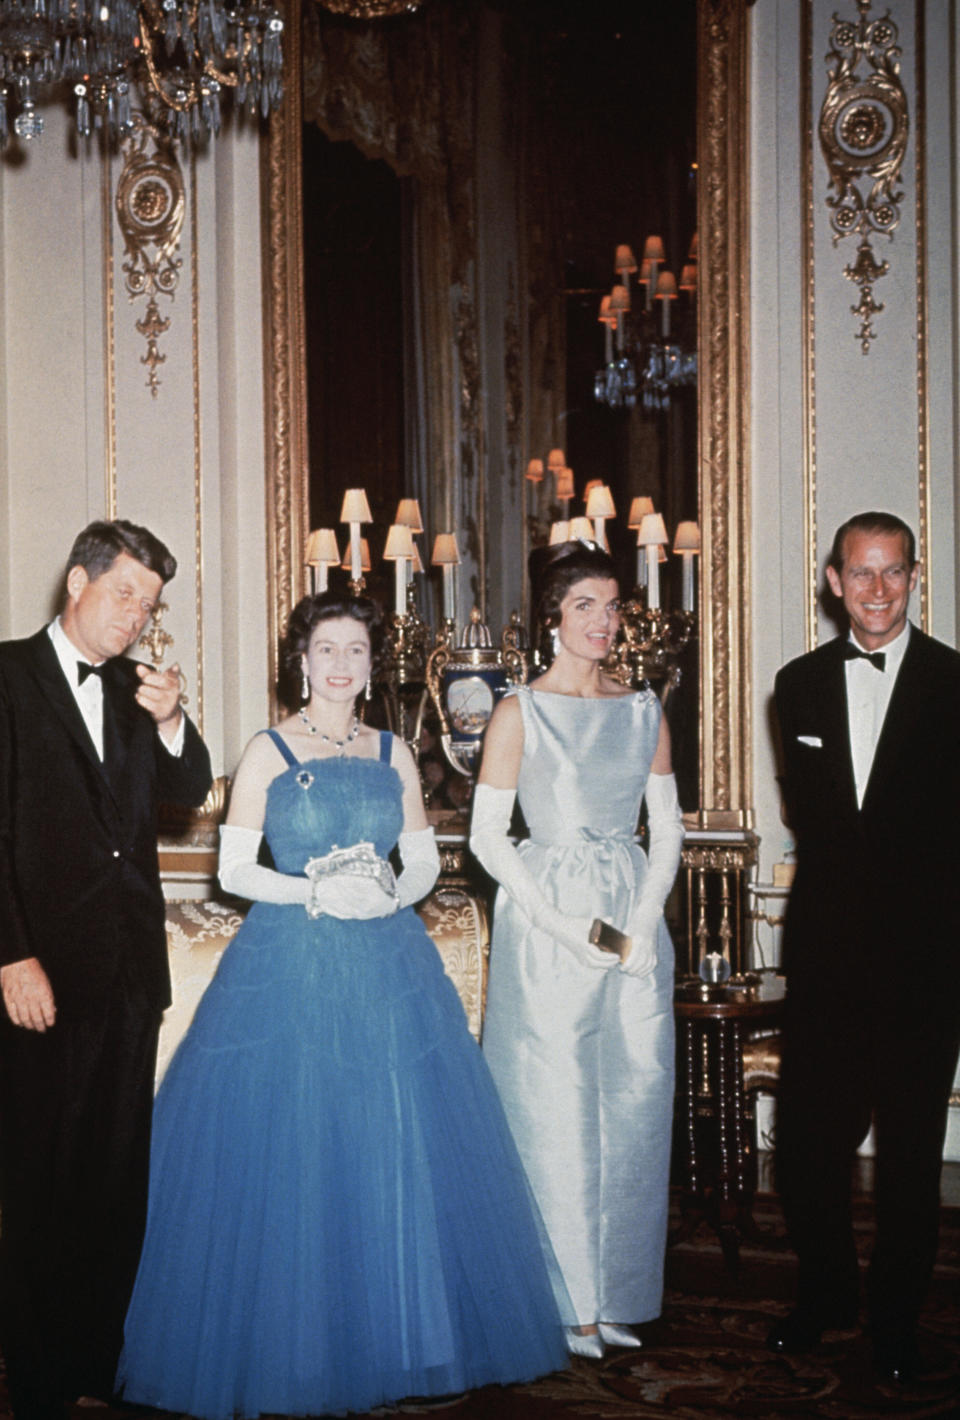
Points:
(836, 728)
(906, 704)
(49, 672)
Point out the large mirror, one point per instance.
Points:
(485, 299)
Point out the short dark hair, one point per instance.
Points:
(554, 570)
(872, 522)
(306, 616)
(97, 548)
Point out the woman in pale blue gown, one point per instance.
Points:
(338, 1216)
(581, 1042)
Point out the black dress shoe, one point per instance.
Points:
(897, 1359)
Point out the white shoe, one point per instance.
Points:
(580, 1344)
(618, 1335)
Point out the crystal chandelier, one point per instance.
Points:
(181, 56)
(648, 363)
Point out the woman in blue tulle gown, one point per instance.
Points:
(338, 1215)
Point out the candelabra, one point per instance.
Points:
(651, 643)
(647, 363)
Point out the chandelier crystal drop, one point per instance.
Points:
(180, 56)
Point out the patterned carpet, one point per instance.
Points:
(706, 1358)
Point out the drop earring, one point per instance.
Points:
(305, 686)
(554, 642)
(366, 689)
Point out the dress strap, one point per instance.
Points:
(386, 746)
(282, 746)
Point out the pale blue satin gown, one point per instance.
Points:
(584, 1058)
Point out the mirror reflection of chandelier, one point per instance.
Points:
(647, 353)
(180, 56)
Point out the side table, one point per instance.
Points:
(717, 1153)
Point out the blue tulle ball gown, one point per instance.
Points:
(338, 1215)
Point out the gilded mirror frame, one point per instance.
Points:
(722, 395)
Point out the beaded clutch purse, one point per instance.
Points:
(360, 860)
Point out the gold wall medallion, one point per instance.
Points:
(863, 137)
(150, 205)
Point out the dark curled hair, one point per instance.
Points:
(306, 616)
(554, 570)
(100, 544)
(887, 523)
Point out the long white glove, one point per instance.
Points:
(665, 822)
(240, 873)
(421, 865)
(490, 842)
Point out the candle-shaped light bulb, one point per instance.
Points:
(446, 555)
(686, 543)
(355, 510)
(652, 536)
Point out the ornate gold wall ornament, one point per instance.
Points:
(150, 205)
(863, 136)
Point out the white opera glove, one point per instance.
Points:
(665, 823)
(490, 843)
(241, 874)
(351, 898)
(421, 865)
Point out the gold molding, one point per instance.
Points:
(808, 280)
(722, 413)
(285, 348)
(109, 342)
(923, 312)
(197, 434)
(723, 334)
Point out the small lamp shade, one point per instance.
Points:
(399, 543)
(581, 527)
(624, 260)
(445, 550)
(619, 301)
(355, 508)
(652, 531)
(600, 502)
(535, 470)
(322, 548)
(364, 557)
(644, 277)
(688, 277)
(693, 253)
(653, 249)
(408, 515)
(417, 564)
(556, 459)
(639, 509)
(605, 315)
(666, 287)
(564, 484)
(686, 538)
(560, 531)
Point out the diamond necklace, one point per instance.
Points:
(339, 745)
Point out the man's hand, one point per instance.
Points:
(159, 695)
(27, 994)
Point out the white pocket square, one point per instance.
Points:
(814, 740)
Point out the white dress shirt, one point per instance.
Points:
(89, 696)
(868, 695)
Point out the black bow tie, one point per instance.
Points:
(878, 659)
(84, 670)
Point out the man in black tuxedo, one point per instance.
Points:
(870, 736)
(90, 744)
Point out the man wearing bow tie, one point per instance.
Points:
(90, 744)
(870, 737)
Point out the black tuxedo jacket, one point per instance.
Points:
(79, 875)
(877, 888)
